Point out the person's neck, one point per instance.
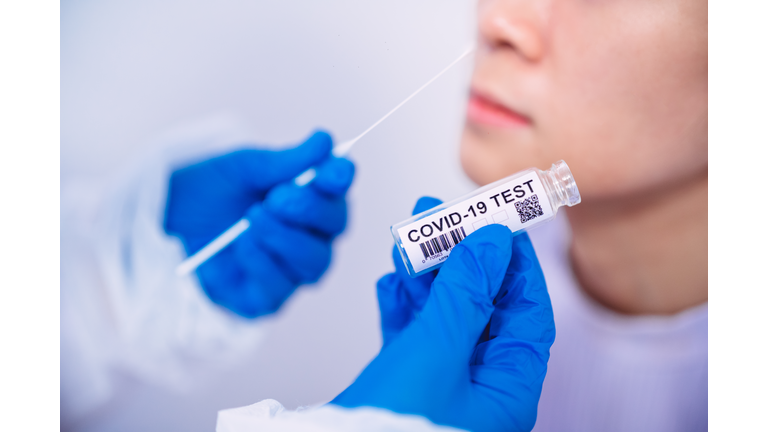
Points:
(644, 254)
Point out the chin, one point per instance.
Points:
(473, 166)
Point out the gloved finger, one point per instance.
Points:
(249, 288)
(417, 289)
(302, 255)
(430, 356)
(460, 302)
(425, 203)
(268, 289)
(307, 208)
(523, 311)
(514, 357)
(394, 305)
(262, 169)
(334, 176)
(400, 296)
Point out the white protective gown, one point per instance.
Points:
(123, 309)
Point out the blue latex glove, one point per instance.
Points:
(292, 227)
(466, 346)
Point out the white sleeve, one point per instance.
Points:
(270, 416)
(123, 309)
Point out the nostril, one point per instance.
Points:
(520, 36)
(505, 44)
(510, 35)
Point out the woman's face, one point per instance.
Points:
(616, 88)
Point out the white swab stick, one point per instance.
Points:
(345, 147)
(212, 248)
(340, 150)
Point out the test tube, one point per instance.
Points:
(521, 201)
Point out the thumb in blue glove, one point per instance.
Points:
(292, 227)
(476, 354)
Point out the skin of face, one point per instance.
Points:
(616, 88)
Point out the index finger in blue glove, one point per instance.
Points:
(262, 169)
(334, 177)
(307, 208)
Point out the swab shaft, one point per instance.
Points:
(212, 248)
(340, 150)
(464, 54)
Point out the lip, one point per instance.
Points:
(483, 110)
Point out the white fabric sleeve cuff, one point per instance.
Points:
(269, 415)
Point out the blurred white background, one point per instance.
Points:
(133, 70)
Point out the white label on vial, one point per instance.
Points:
(518, 204)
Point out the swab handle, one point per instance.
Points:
(190, 264)
(305, 177)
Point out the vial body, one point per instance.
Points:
(521, 201)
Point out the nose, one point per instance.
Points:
(515, 25)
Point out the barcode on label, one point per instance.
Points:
(443, 242)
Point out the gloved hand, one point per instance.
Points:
(292, 227)
(466, 346)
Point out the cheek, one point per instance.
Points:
(621, 97)
(627, 104)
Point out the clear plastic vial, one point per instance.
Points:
(521, 201)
